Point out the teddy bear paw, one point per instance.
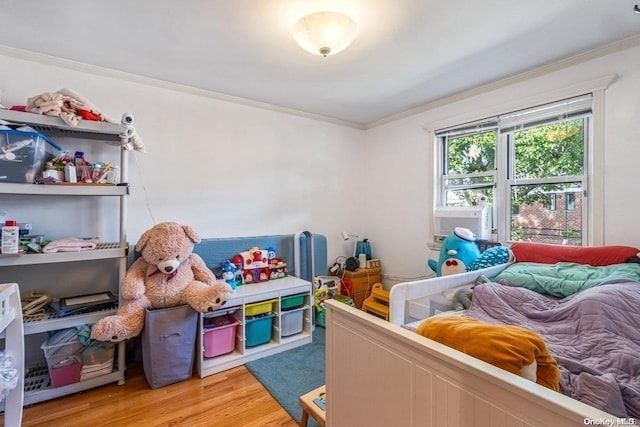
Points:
(217, 296)
(113, 329)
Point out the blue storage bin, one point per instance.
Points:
(257, 329)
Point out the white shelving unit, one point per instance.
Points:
(11, 328)
(236, 305)
(66, 274)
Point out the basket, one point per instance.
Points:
(291, 322)
(258, 329)
(168, 344)
(321, 317)
(220, 339)
(292, 301)
(258, 308)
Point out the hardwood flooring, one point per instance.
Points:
(233, 398)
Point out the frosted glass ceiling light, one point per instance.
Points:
(324, 33)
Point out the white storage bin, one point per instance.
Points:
(291, 322)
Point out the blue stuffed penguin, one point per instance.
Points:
(457, 253)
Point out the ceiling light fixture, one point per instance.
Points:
(636, 8)
(324, 33)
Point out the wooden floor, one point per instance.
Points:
(231, 398)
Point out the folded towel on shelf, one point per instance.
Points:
(57, 104)
(71, 244)
(136, 140)
(72, 107)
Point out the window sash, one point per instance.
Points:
(506, 125)
(470, 128)
(566, 109)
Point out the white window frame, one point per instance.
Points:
(593, 228)
(485, 124)
(506, 138)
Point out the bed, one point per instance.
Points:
(383, 373)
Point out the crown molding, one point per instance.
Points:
(516, 78)
(161, 84)
(478, 90)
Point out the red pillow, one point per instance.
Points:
(595, 256)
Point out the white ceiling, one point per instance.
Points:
(407, 52)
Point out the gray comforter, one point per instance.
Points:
(594, 336)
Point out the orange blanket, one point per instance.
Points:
(508, 347)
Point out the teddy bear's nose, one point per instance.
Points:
(168, 267)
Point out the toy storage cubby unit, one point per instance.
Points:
(59, 211)
(266, 318)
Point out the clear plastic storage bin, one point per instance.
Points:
(22, 155)
(64, 361)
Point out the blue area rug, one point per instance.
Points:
(292, 373)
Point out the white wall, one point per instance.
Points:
(233, 170)
(224, 168)
(402, 148)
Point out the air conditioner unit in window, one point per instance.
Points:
(475, 218)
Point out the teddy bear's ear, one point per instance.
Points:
(143, 241)
(191, 234)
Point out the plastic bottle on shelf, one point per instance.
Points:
(78, 160)
(70, 173)
(96, 172)
(113, 176)
(10, 237)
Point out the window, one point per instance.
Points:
(469, 163)
(525, 162)
(570, 201)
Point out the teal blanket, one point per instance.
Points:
(564, 279)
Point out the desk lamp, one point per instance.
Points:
(347, 236)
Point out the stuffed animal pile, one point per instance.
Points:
(167, 274)
(459, 253)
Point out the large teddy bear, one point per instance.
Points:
(167, 274)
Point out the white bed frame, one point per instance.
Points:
(381, 374)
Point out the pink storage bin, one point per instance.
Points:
(220, 339)
(65, 375)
